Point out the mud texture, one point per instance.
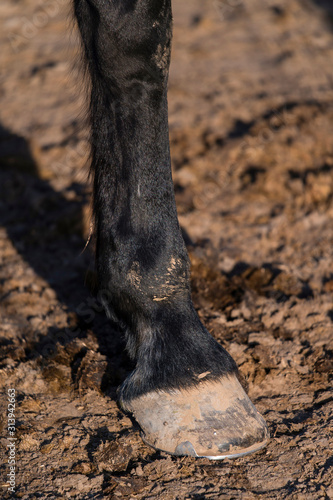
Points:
(251, 136)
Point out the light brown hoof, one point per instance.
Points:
(215, 419)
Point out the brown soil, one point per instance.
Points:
(250, 125)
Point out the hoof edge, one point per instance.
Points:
(187, 449)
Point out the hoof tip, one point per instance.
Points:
(185, 448)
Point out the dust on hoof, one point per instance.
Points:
(215, 419)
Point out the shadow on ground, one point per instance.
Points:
(46, 228)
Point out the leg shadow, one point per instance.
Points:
(46, 228)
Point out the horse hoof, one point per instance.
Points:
(215, 419)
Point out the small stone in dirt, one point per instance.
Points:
(83, 468)
(113, 457)
(291, 285)
(91, 371)
(58, 377)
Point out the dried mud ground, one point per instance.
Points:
(251, 135)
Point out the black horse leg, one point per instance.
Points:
(184, 391)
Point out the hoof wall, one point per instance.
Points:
(215, 419)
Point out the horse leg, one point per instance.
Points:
(184, 391)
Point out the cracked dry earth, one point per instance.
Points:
(251, 136)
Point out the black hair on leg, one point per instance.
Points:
(142, 262)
